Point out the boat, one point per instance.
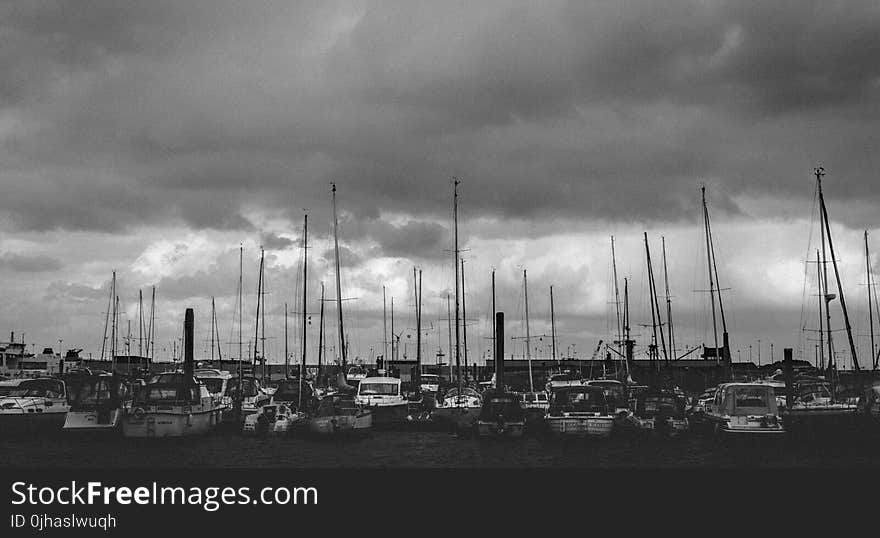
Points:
(815, 412)
(98, 402)
(174, 404)
(744, 410)
(660, 412)
(430, 383)
(252, 397)
(37, 405)
(869, 409)
(383, 397)
(459, 408)
(289, 409)
(615, 394)
(502, 415)
(219, 384)
(579, 411)
(340, 415)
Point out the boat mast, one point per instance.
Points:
(449, 331)
(616, 297)
(870, 306)
(628, 343)
(711, 280)
(464, 324)
(656, 320)
(115, 330)
(107, 315)
(394, 339)
(152, 335)
(259, 301)
(213, 319)
(286, 354)
(417, 290)
(321, 335)
(455, 270)
(339, 289)
(553, 325)
(668, 302)
(240, 340)
(494, 343)
(140, 324)
(302, 368)
(821, 295)
(528, 333)
(852, 346)
(384, 327)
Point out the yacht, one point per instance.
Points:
(579, 411)
(98, 402)
(502, 415)
(33, 405)
(341, 415)
(744, 410)
(660, 412)
(383, 397)
(459, 409)
(287, 410)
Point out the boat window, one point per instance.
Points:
(94, 391)
(213, 384)
(751, 398)
(39, 388)
(531, 397)
(251, 387)
(381, 389)
(333, 405)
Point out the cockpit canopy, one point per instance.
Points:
(584, 398)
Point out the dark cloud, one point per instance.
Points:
(29, 263)
(272, 241)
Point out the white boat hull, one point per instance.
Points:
(597, 427)
(171, 423)
(84, 421)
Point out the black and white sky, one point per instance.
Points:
(153, 138)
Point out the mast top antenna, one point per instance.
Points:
(820, 171)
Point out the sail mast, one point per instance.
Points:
(464, 324)
(711, 279)
(870, 306)
(821, 295)
(455, 270)
(528, 333)
(384, 327)
(213, 318)
(259, 301)
(417, 290)
(240, 340)
(286, 352)
(553, 324)
(852, 346)
(321, 336)
(616, 296)
(302, 368)
(494, 343)
(339, 289)
(655, 305)
(668, 302)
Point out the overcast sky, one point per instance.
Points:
(154, 138)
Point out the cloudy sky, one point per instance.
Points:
(155, 138)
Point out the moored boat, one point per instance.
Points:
(340, 415)
(660, 412)
(501, 415)
(34, 406)
(579, 411)
(383, 397)
(458, 409)
(289, 409)
(98, 402)
(745, 411)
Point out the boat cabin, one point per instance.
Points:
(39, 388)
(172, 388)
(288, 390)
(98, 390)
(579, 399)
(615, 392)
(502, 404)
(744, 399)
(663, 403)
(337, 404)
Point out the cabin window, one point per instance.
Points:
(380, 389)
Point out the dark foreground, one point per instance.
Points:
(422, 449)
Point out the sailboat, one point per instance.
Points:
(461, 405)
(502, 414)
(816, 410)
(293, 398)
(340, 414)
(174, 404)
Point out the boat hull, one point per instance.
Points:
(508, 430)
(824, 423)
(170, 423)
(389, 415)
(108, 421)
(342, 425)
(457, 417)
(594, 427)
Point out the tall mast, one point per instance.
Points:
(821, 295)
(668, 302)
(394, 339)
(464, 323)
(628, 343)
(140, 324)
(616, 296)
(852, 346)
(417, 290)
(240, 341)
(321, 335)
(286, 353)
(455, 270)
(449, 331)
(870, 306)
(339, 289)
(259, 301)
(107, 315)
(553, 323)
(655, 305)
(528, 333)
(711, 279)
(151, 332)
(115, 330)
(262, 320)
(213, 319)
(494, 343)
(384, 327)
(302, 368)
